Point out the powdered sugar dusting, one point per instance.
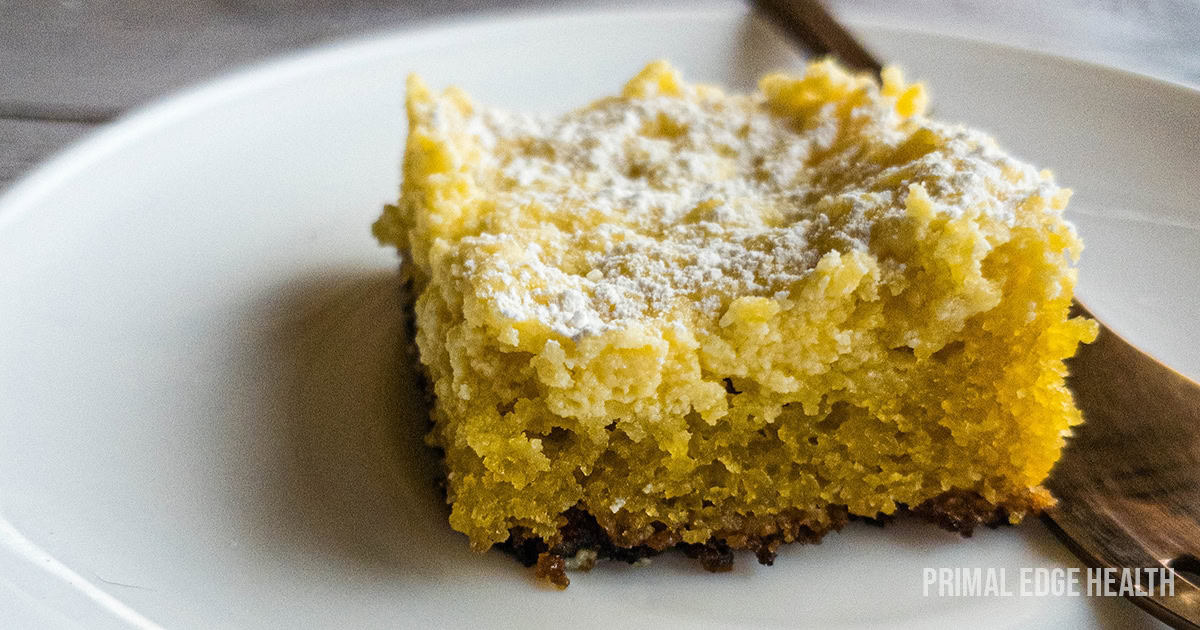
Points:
(661, 204)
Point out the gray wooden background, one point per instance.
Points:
(67, 66)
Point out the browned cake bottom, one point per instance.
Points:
(955, 510)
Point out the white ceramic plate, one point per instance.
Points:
(203, 416)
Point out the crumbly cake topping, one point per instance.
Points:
(703, 197)
(790, 308)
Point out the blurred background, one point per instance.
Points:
(67, 66)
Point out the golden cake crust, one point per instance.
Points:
(727, 321)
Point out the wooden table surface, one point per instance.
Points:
(67, 66)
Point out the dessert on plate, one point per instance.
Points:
(683, 318)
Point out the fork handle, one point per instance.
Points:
(811, 23)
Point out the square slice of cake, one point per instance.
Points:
(679, 317)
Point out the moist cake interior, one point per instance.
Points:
(678, 317)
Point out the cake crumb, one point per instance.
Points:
(552, 569)
(583, 560)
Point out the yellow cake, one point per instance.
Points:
(679, 317)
